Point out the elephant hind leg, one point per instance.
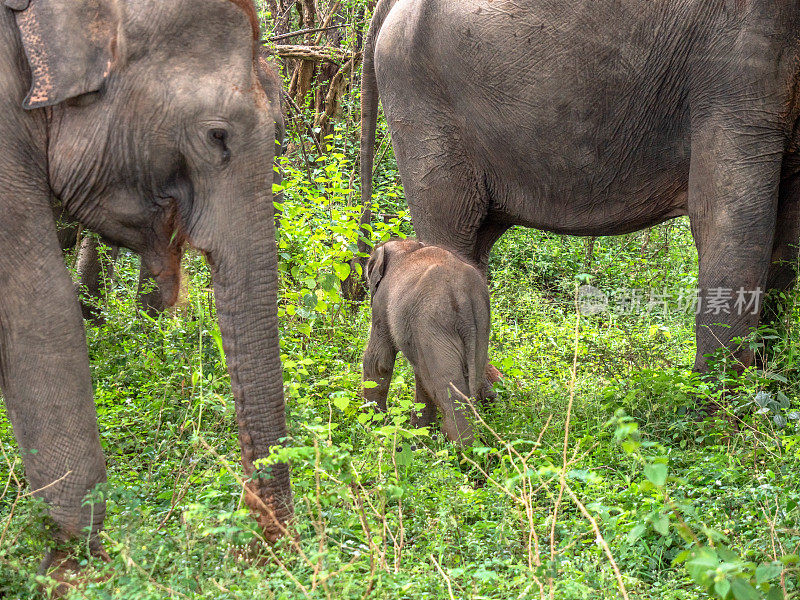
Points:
(446, 193)
(378, 366)
(440, 367)
(782, 273)
(733, 216)
(95, 271)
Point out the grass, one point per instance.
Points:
(387, 512)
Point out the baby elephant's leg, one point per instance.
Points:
(426, 415)
(378, 365)
(440, 369)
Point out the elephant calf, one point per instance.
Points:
(433, 307)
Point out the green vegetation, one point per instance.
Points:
(645, 494)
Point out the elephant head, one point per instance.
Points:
(159, 134)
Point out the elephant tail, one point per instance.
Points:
(353, 286)
(472, 363)
(477, 345)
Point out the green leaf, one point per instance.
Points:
(703, 560)
(341, 402)
(775, 593)
(660, 523)
(405, 457)
(681, 557)
(776, 377)
(656, 473)
(722, 587)
(742, 590)
(767, 572)
(309, 300)
(395, 492)
(370, 384)
(215, 335)
(635, 533)
(342, 270)
(727, 555)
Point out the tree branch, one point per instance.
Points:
(314, 53)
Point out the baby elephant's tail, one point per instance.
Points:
(477, 349)
(472, 367)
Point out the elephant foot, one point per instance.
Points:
(63, 569)
(252, 553)
(709, 412)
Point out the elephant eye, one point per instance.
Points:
(219, 138)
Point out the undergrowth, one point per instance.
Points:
(596, 472)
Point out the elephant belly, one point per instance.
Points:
(588, 179)
(582, 210)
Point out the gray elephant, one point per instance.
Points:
(433, 307)
(95, 260)
(599, 118)
(146, 121)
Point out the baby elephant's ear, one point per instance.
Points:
(70, 45)
(376, 266)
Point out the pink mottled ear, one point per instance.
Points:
(71, 46)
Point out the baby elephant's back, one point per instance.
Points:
(437, 290)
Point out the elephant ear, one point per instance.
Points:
(376, 267)
(71, 46)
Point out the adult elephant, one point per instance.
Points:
(598, 118)
(95, 260)
(145, 120)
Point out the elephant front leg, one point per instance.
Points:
(95, 272)
(733, 192)
(44, 372)
(427, 415)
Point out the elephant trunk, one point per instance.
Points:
(244, 267)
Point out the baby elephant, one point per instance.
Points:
(433, 307)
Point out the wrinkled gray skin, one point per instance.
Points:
(598, 117)
(95, 261)
(433, 307)
(146, 121)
